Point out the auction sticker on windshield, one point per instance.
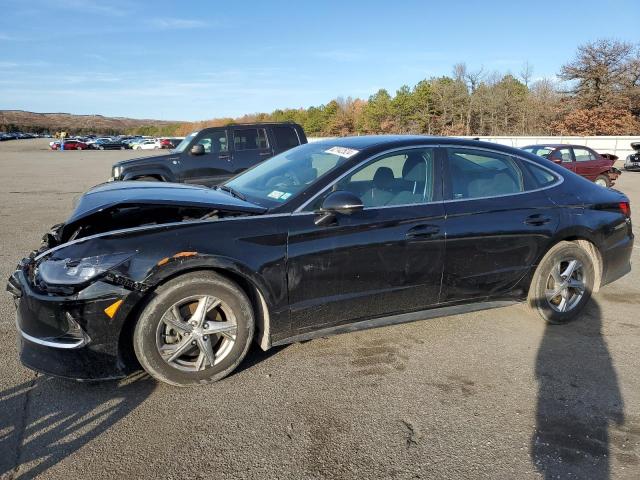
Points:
(342, 151)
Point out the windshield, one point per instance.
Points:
(185, 143)
(280, 178)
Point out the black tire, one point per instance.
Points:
(185, 286)
(148, 179)
(560, 254)
(604, 180)
(100, 147)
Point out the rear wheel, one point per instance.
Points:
(603, 181)
(562, 283)
(196, 330)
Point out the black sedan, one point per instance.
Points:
(327, 237)
(112, 145)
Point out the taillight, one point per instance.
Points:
(625, 208)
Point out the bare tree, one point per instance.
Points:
(598, 72)
(526, 73)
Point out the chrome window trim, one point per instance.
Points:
(366, 160)
(559, 178)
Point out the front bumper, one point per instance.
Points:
(632, 167)
(69, 337)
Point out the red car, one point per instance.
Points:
(582, 160)
(166, 143)
(70, 145)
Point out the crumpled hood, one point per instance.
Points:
(113, 194)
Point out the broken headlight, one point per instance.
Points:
(70, 271)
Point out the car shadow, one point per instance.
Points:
(46, 420)
(580, 409)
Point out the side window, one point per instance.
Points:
(583, 155)
(541, 176)
(480, 174)
(214, 142)
(286, 137)
(565, 155)
(250, 139)
(401, 178)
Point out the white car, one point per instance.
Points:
(148, 145)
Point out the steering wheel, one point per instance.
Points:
(287, 179)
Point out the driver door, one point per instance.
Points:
(386, 259)
(211, 168)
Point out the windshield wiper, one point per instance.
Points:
(234, 193)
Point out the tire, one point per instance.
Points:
(603, 181)
(549, 278)
(122, 148)
(100, 147)
(152, 332)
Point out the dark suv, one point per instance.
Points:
(213, 155)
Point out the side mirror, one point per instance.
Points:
(197, 150)
(340, 202)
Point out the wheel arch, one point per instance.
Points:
(589, 242)
(254, 292)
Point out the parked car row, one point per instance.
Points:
(116, 143)
(21, 136)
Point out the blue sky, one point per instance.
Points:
(193, 60)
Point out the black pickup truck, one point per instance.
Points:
(213, 155)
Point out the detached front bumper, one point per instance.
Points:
(69, 337)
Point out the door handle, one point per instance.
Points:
(224, 157)
(423, 231)
(537, 220)
(262, 154)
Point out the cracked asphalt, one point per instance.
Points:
(493, 394)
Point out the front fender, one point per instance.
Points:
(164, 173)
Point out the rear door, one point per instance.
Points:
(498, 222)
(250, 146)
(211, 168)
(587, 163)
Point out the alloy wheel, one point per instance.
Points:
(566, 285)
(196, 333)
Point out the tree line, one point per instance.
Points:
(598, 93)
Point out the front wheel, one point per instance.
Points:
(562, 283)
(603, 181)
(195, 330)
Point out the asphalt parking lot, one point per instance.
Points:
(492, 394)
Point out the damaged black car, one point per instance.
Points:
(328, 237)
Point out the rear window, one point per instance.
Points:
(286, 137)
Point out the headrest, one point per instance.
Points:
(383, 178)
(415, 168)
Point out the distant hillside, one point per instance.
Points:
(20, 120)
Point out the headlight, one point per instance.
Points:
(76, 271)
